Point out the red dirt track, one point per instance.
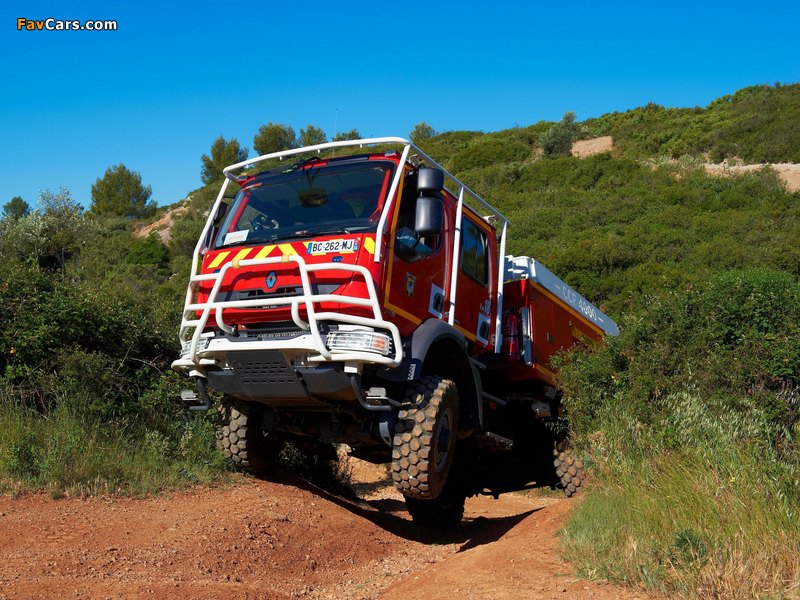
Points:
(284, 539)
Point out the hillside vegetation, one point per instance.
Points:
(88, 404)
(690, 418)
(757, 124)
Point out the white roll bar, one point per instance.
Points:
(410, 152)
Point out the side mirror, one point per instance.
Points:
(430, 180)
(429, 217)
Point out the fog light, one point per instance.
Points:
(202, 344)
(360, 341)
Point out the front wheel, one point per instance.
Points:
(245, 435)
(425, 438)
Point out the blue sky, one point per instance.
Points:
(156, 93)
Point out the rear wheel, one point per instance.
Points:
(424, 439)
(569, 468)
(245, 435)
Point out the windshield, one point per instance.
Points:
(309, 200)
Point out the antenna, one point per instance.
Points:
(335, 123)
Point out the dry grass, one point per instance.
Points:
(714, 519)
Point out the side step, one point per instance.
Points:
(203, 402)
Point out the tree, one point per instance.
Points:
(558, 140)
(421, 132)
(274, 137)
(16, 208)
(51, 234)
(347, 135)
(311, 136)
(223, 154)
(120, 193)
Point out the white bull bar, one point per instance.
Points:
(308, 299)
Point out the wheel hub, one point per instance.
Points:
(444, 432)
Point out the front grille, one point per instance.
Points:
(273, 329)
(271, 372)
(279, 292)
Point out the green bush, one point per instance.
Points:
(58, 336)
(756, 124)
(488, 152)
(150, 252)
(558, 140)
(691, 418)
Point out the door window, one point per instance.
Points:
(474, 258)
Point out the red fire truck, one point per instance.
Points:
(366, 299)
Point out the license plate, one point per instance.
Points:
(332, 246)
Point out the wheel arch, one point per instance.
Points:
(438, 348)
(450, 360)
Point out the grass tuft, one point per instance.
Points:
(68, 456)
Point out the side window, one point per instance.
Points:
(474, 259)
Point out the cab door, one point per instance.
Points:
(418, 266)
(476, 281)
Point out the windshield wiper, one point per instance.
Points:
(322, 231)
(330, 229)
(251, 241)
(301, 163)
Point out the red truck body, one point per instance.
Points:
(365, 300)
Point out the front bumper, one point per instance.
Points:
(308, 346)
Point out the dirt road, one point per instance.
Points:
(283, 539)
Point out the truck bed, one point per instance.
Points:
(553, 317)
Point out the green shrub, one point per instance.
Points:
(488, 152)
(558, 140)
(60, 339)
(691, 418)
(756, 124)
(150, 252)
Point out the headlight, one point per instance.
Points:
(360, 341)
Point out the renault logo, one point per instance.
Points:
(272, 279)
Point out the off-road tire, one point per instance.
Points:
(425, 438)
(443, 512)
(242, 439)
(569, 469)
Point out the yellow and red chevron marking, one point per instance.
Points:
(275, 250)
(227, 255)
(218, 260)
(222, 256)
(267, 251)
